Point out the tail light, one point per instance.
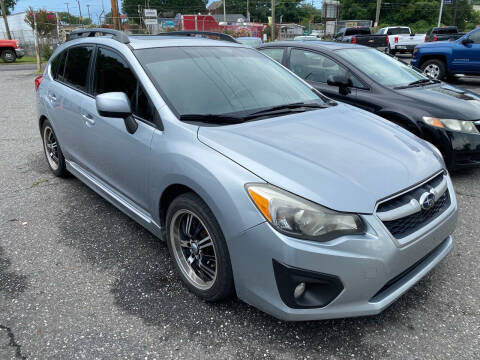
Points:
(17, 43)
(396, 39)
(387, 40)
(38, 81)
(435, 38)
(354, 40)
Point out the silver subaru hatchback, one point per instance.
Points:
(304, 207)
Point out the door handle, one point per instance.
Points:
(89, 121)
(52, 97)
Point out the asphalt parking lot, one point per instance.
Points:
(78, 279)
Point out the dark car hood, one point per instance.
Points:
(446, 101)
(341, 157)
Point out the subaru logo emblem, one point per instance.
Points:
(427, 200)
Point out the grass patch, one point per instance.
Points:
(23, 60)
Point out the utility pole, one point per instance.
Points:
(224, 12)
(440, 14)
(4, 14)
(377, 14)
(58, 27)
(79, 10)
(273, 20)
(88, 11)
(115, 15)
(35, 35)
(455, 13)
(68, 10)
(100, 16)
(248, 13)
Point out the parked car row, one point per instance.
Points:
(261, 184)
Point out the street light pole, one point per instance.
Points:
(79, 10)
(273, 20)
(88, 11)
(224, 12)
(440, 14)
(377, 14)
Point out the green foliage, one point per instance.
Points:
(164, 7)
(420, 15)
(73, 20)
(46, 52)
(9, 4)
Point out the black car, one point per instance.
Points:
(443, 33)
(442, 114)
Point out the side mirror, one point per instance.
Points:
(467, 41)
(117, 105)
(344, 84)
(412, 34)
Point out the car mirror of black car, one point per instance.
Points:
(344, 84)
(117, 105)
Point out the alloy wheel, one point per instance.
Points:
(50, 145)
(432, 71)
(193, 249)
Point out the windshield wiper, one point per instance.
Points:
(418, 82)
(294, 107)
(213, 118)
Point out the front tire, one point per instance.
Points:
(434, 69)
(9, 56)
(198, 248)
(52, 150)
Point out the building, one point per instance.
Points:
(19, 29)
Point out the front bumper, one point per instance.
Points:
(19, 53)
(374, 270)
(466, 149)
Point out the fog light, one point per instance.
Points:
(299, 290)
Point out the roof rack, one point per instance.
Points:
(116, 34)
(221, 36)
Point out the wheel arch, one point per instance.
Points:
(402, 121)
(425, 58)
(168, 195)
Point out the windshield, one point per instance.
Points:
(250, 42)
(222, 80)
(398, 31)
(382, 68)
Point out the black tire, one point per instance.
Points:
(223, 285)
(9, 56)
(434, 69)
(391, 52)
(55, 163)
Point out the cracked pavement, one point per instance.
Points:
(80, 280)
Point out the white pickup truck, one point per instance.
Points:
(401, 39)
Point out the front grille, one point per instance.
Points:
(404, 223)
(408, 225)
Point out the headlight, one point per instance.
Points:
(297, 217)
(452, 124)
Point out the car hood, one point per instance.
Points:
(446, 101)
(341, 157)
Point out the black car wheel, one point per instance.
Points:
(52, 150)
(198, 248)
(9, 56)
(434, 69)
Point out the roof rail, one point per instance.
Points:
(221, 36)
(116, 34)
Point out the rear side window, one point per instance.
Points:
(76, 68)
(58, 65)
(275, 53)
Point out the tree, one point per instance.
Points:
(9, 4)
(46, 21)
(67, 18)
(163, 7)
(421, 15)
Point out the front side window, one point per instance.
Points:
(221, 80)
(275, 53)
(112, 74)
(475, 37)
(382, 68)
(315, 67)
(76, 67)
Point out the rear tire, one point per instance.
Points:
(8, 56)
(198, 248)
(391, 51)
(53, 152)
(434, 69)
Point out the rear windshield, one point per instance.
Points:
(357, 31)
(221, 80)
(446, 31)
(398, 31)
